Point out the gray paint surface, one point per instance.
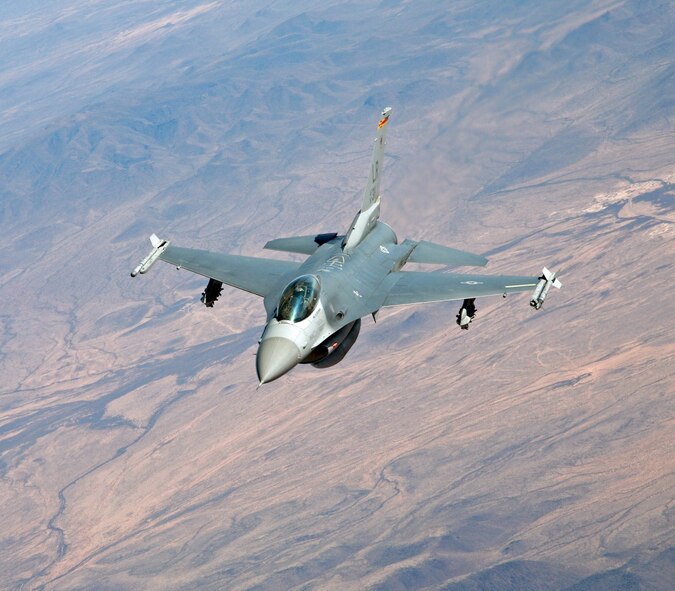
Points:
(357, 275)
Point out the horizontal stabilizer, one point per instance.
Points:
(301, 244)
(428, 252)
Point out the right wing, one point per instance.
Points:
(413, 287)
(255, 275)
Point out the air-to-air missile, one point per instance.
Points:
(546, 281)
(158, 247)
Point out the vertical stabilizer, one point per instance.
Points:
(371, 194)
(370, 207)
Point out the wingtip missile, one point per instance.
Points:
(546, 281)
(158, 247)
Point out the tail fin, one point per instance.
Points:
(370, 207)
(372, 191)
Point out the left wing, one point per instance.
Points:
(428, 252)
(255, 275)
(413, 287)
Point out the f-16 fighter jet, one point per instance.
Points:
(314, 308)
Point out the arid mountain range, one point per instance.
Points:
(533, 452)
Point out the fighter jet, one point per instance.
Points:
(314, 308)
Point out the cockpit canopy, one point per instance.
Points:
(299, 299)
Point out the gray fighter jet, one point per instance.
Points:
(314, 308)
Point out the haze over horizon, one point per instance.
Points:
(534, 451)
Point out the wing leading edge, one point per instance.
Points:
(255, 275)
(413, 287)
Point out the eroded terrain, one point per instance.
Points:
(532, 452)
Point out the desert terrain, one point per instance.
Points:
(533, 452)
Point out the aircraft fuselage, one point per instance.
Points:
(347, 279)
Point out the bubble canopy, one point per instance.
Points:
(299, 299)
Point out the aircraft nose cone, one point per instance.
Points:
(276, 356)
